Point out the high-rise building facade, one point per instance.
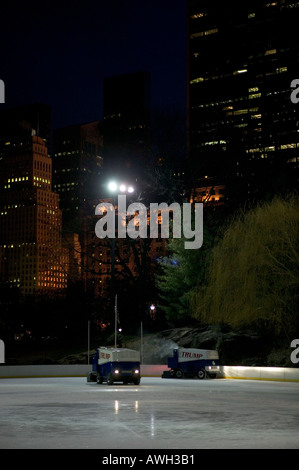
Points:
(126, 125)
(243, 126)
(77, 164)
(31, 254)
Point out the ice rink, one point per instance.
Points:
(69, 413)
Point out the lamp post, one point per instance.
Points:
(141, 343)
(88, 340)
(114, 188)
(153, 311)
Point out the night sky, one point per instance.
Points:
(59, 52)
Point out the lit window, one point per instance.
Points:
(254, 95)
(270, 52)
(288, 146)
(196, 80)
(281, 69)
(236, 72)
(204, 33)
(197, 15)
(241, 111)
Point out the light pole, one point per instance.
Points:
(114, 188)
(153, 311)
(88, 340)
(141, 343)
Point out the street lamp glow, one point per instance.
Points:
(122, 188)
(130, 189)
(112, 186)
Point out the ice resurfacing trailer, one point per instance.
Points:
(189, 362)
(115, 365)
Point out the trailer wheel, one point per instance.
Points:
(201, 374)
(109, 380)
(179, 373)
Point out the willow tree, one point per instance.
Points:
(254, 272)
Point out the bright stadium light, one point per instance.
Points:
(112, 186)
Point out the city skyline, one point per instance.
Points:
(242, 131)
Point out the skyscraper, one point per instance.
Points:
(243, 126)
(31, 253)
(126, 124)
(77, 164)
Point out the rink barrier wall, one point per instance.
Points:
(82, 370)
(287, 374)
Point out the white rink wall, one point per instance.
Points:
(260, 373)
(229, 372)
(78, 370)
(44, 371)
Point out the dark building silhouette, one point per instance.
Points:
(77, 163)
(126, 124)
(77, 167)
(23, 121)
(243, 126)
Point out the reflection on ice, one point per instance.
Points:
(117, 406)
(152, 425)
